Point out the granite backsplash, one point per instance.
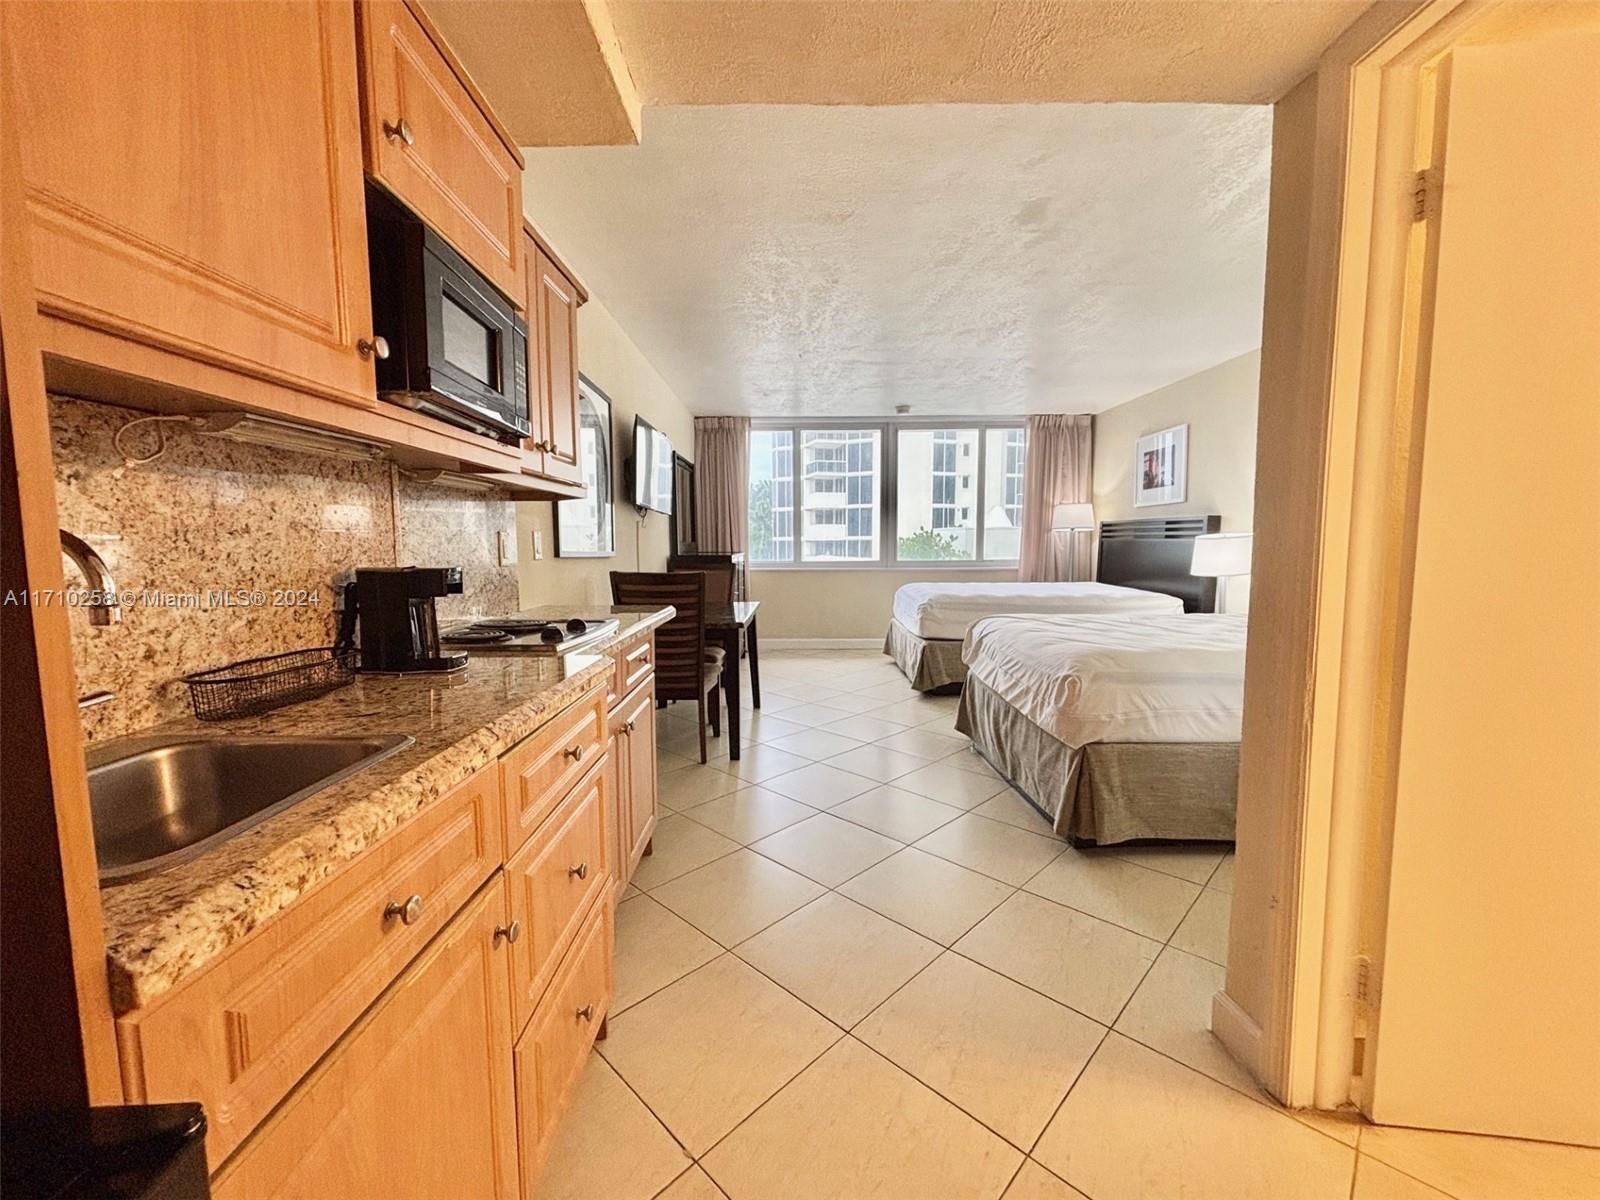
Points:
(216, 516)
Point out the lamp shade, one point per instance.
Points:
(1221, 554)
(1072, 516)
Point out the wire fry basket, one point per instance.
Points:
(258, 685)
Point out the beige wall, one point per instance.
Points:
(1219, 406)
(839, 603)
(609, 358)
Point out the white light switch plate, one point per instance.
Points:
(505, 547)
(538, 544)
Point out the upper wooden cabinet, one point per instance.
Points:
(432, 141)
(553, 301)
(194, 174)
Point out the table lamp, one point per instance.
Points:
(1221, 555)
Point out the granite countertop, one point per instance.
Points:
(162, 929)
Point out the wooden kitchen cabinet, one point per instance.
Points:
(550, 1055)
(554, 298)
(639, 787)
(418, 1099)
(555, 880)
(432, 141)
(194, 176)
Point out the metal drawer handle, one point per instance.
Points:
(545, 446)
(510, 932)
(586, 1013)
(581, 870)
(628, 727)
(409, 911)
(374, 347)
(575, 753)
(399, 129)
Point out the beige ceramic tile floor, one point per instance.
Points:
(858, 966)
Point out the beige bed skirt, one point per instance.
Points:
(1107, 792)
(928, 664)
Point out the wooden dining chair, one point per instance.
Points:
(686, 668)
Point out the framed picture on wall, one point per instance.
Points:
(585, 528)
(1161, 467)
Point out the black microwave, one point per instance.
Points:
(457, 349)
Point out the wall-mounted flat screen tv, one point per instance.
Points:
(652, 468)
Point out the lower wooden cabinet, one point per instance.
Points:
(555, 880)
(418, 1099)
(639, 774)
(551, 1053)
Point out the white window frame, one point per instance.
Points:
(888, 498)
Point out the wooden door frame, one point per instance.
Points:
(1327, 871)
(60, 1045)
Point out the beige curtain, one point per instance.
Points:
(721, 483)
(1059, 470)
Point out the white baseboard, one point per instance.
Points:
(822, 643)
(1239, 1035)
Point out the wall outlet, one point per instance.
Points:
(538, 544)
(505, 547)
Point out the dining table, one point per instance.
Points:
(729, 624)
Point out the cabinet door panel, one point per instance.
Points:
(449, 163)
(554, 881)
(555, 329)
(640, 723)
(184, 197)
(418, 1100)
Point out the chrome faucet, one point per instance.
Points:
(97, 576)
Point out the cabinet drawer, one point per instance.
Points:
(539, 772)
(638, 661)
(554, 881)
(551, 1054)
(238, 1036)
(431, 140)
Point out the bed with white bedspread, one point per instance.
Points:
(1116, 727)
(930, 619)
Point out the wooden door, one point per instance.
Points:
(554, 328)
(538, 433)
(639, 722)
(617, 808)
(194, 176)
(1490, 951)
(432, 141)
(418, 1100)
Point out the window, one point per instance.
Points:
(771, 496)
(1004, 453)
(949, 493)
(839, 495)
(930, 496)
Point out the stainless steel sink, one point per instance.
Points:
(158, 802)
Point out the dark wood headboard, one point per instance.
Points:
(1154, 553)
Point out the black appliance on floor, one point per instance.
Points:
(127, 1152)
(390, 612)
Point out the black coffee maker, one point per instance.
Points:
(399, 630)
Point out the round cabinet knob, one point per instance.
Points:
(575, 753)
(399, 131)
(509, 932)
(373, 347)
(586, 1013)
(581, 870)
(409, 911)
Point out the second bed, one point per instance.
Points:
(1117, 728)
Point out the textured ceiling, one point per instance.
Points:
(958, 258)
(979, 51)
